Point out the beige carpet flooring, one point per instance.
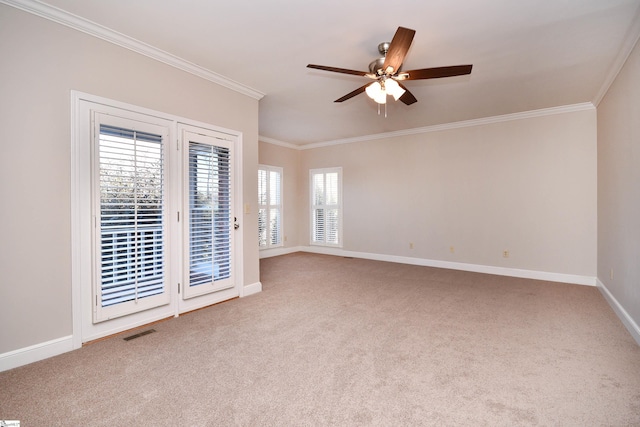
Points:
(350, 342)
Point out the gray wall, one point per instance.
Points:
(527, 186)
(619, 188)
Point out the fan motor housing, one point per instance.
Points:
(375, 67)
(383, 48)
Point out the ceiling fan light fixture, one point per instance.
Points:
(393, 88)
(375, 92)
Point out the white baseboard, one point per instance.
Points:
(34, 353)
(268, 253)
(251, 289)
(501, 271)
(622, 314)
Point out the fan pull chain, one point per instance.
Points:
(385, 110)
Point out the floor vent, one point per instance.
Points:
(139, 334)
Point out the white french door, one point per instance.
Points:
(130, 216)
(209, 221)
(154, 201)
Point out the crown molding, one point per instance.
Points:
(447, 126)
(630, 41)
(278, 142)
(88, 27)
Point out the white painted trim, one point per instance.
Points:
(278, 142)
(268, 253)
(88, 27)
(477, 268)
(34, 353)
(630, 41)
(622, 314)
(238, 189)
(437, 128)
(76, 230)
(251, 289)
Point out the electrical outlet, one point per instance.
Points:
(285, 238)
(247, 208)
(411, 245)
(611, 274)
(505, 254)
(452, 249)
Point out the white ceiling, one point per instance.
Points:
(527, 54)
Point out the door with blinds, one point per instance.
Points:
(129, 216)
(209, 222)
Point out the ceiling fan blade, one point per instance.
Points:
(352, 94)
(407, 97)
(398, 49)
(338, 70)
(435, 73)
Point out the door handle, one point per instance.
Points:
(235, 223)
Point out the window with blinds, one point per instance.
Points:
(326, 206)
(269, 206)
(209, 213)
(131, 231)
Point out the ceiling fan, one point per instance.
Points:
(387, 75)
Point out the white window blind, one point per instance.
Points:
(209, 213)
(326, 206)
(269, 206)
(131, 215)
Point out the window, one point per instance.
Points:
(269, 206)
(326, 206)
